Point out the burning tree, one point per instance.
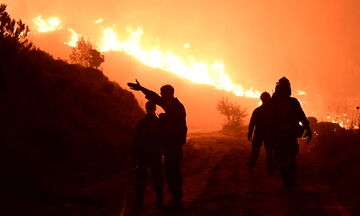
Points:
(85, 55)
(233, 112)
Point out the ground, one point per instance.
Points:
(217, 182)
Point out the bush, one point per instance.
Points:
(336, 154)
(234, 113)
(84, 55)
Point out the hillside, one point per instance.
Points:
(122, 68)
(62, 126)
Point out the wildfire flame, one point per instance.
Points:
(343, 120)
(74, 38)
(98, 21)
(186, 67)
(187, 46)
(51, 24)
(299, 92)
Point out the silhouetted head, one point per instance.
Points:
(150, 107)
(265, 97)
(283, 87)
(167, 92)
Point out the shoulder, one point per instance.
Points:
(176, 100)
(178, 103)
(294, 101)
(257, 109)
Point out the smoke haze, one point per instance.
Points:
(314, 43)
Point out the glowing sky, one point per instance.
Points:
(314, 43)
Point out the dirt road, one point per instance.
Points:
(217, 182)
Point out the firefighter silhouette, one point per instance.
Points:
(147, 153)
(286, 113)
(261, 121)
(173, 133)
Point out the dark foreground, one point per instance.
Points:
(216, 182)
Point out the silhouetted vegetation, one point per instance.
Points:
(10, 28)
(13, 31)
(84, 54)
(234, 113)
(63, 127)
(336, 157)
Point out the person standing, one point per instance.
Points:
(174, 130)
(260, 120)
(287, 114)
(147, 153)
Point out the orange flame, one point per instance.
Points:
(343, 120)
(187, 67)
(184, 66)
(51, 24)
(187, 46)
(74, 38)
(299, 92)
(98, 21)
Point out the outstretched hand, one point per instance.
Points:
(135, 86)
(250, 136)
(308, 135)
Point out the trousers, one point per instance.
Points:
(141, 175)
(256, 144)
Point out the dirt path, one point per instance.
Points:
(217, 182)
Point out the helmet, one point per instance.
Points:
(283, 87)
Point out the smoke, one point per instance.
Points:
(315, 44)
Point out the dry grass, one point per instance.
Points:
(335, 154)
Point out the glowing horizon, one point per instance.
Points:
(187, 67)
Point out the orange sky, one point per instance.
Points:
(314, 43)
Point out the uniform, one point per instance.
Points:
(261, 120)
(173, 133)
(147, 153)
(286, 115)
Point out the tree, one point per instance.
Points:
(85, 55)
(11, 29)
(233, 112)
